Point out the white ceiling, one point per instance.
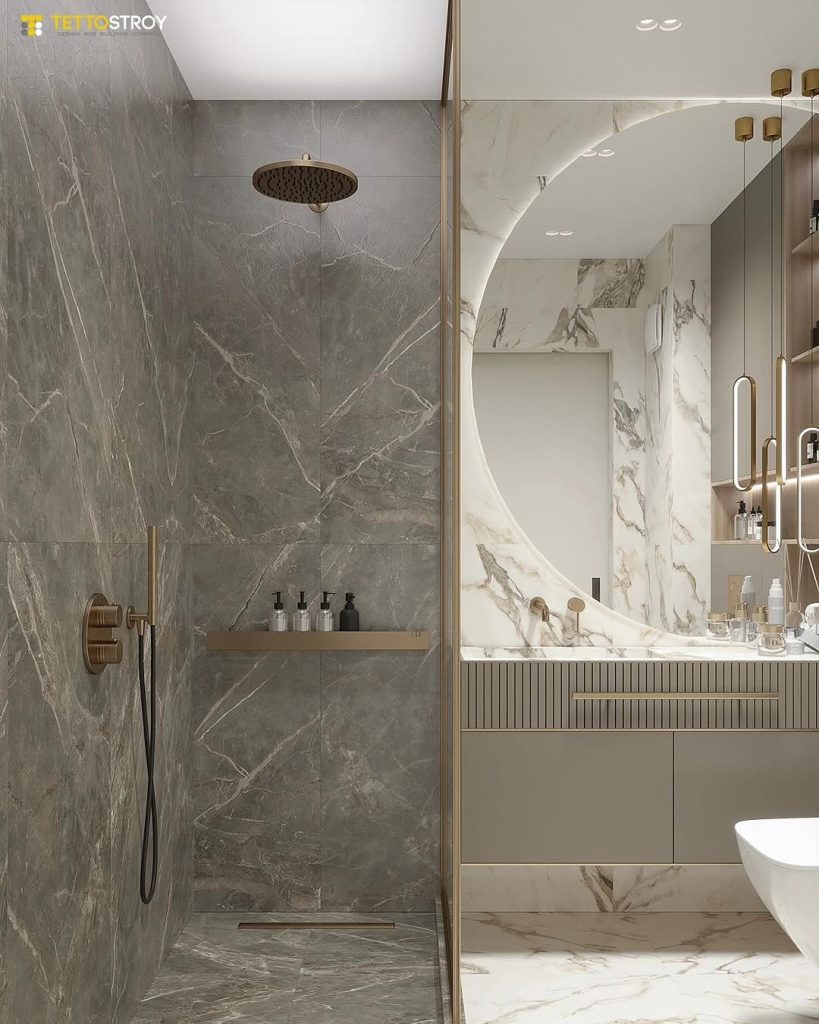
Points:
(307, 49)
(582, 49)
(680, 168)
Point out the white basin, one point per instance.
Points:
(781, 856)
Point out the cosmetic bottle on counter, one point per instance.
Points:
(758, 523)
(277, 623)
(758, 618)
(812, 448)
(738, 625)
(794, 624)
(814, 217)
(348, 621)
(301, 617)
(324, 616)
(772, 639)
(748, 593)
(741, 522)
(776, 604)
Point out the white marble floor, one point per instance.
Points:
(634, 969)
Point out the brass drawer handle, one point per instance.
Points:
(654, 695)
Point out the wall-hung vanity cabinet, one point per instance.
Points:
(632, 762)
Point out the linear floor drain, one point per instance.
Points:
(335, 925)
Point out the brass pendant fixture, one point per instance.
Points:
(772, 132)
(744, 132)
(810, 88)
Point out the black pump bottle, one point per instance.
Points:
(348, 619)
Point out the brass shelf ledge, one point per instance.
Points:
(363, 640)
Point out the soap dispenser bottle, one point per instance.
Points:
(301, 617)
(324, 616)
(277, 623)
(348, 619)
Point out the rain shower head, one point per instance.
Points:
(305, 181)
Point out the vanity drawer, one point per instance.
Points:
(567, 798)
(681, 695)
(720, 780)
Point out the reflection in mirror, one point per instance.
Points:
(607, 344)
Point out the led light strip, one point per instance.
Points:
(752, 395)
(771, 546)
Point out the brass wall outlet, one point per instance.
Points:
(99, 646)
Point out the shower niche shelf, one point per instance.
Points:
(361, 640)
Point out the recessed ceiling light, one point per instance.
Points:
(590, 152)
(646, 24)
(670, 25)
(565, 234)
(605, 152)
(551, 234)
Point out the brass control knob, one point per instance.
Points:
(105, 652)
(105, 615)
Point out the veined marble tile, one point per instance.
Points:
(380, 430)
(676, 968)
(218, 974)
(682, 887)
(553, 887)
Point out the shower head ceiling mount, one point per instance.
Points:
(307, 181)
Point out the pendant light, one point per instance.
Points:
(781, 84)
(744, 132)
(810, 87)
(776, 444)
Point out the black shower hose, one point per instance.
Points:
(150, 829)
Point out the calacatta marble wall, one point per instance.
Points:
(511, 150)
(678, 454)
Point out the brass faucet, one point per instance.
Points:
(537, 606)
(576, 605)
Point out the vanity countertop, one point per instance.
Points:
(704, 652)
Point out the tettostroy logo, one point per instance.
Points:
(32, 25)
(91, 24)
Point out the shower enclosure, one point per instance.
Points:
(271, 387)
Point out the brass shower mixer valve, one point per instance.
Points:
(99, 646)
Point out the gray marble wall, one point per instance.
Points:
(96, 163)
(316, 464)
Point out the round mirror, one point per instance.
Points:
(623, 306)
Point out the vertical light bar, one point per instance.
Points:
(781, 420)
(735, 447)
(771, 547)
(800, 530)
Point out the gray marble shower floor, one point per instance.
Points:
(218, 974)
(634, 969)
